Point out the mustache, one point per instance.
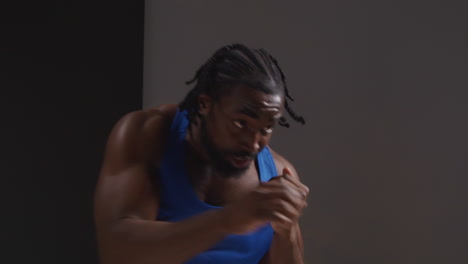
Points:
(245, 154)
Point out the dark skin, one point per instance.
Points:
(127, 199)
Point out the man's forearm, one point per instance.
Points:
(287, 248)
(140, 241)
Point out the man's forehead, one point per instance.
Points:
(267, 105)
(250, 96)
(261, 113)
(263, 106)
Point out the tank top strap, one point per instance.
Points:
(266, 165)
(180, 123)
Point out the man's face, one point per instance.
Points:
(238, 126)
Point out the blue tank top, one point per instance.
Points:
(178, 201)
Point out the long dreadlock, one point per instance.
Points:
(237, 64)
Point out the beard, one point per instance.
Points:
(219, 157)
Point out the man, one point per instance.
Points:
(196, 182)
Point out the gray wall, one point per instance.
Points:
(382, 85)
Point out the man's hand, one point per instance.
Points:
(299, 193)
(279, 201)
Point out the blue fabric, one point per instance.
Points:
(178, 201)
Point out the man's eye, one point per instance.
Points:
(239, 123)
(268, 130)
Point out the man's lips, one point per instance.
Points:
(240, 161)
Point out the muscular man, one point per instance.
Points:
(196, 182)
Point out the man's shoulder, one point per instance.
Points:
(148, 120)
(281, 162)
(155, 114)
(140, 135)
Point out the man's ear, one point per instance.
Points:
(205, 103)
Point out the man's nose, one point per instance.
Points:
(251, 142)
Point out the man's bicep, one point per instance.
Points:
(126, 186)
(129, 193)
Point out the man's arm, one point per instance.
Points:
(126, 201)
(286, 249)
(287, 245)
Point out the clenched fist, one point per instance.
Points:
(279, 201)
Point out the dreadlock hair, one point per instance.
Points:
(236, 64)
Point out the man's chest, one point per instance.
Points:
(218, 191)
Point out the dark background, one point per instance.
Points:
(69, 70)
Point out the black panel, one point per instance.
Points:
(69, 70)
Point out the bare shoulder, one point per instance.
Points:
(139, 135)
(147, 118)
(281, 163)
